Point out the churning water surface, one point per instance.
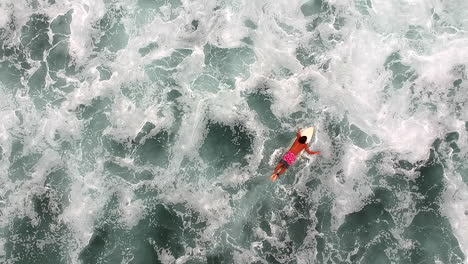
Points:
(145, 131)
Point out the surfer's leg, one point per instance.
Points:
(278, 167)
(274, 177)
(282, 171)
(275, 174)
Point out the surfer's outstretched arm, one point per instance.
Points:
(311, 152)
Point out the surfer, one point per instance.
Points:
(299, 145)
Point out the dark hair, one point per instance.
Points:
(303, 139)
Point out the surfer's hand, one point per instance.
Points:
(316, 152)
(274, 177)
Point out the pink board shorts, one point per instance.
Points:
(288, 159)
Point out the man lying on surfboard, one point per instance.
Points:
(298, 146)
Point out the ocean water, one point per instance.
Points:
(146, 131)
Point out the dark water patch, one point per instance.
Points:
(58, 184)
(128, 174)
(61, 24)
(105, 245)
(323, 226)
(457, 83)
(147, 192)
(401, 73)
(278, 254)
(16, 55)
(153, 4)
(344, 130)
(218, 257)
(433, 238)
(33, 3)
(97, 106)
(311, 53)
(21, 162)
(144, 132)
(313, 7)
(154, 150)
(173, 95)
(430, 231)
(261, 102)
(36, 82)
(265, 226)
(148, 48)
(92, 252)
(113, 34)
(163, 228)
(388, 198)
(250, 24)
(452, 136)
(58, 57)
(96, 125)
(10, 75)
(13, 61)
(404, 164)
(194, 24)
(45, 242)
(44, 239)
(105, 72)
(118, 170)
(225, 145)
(298, 230)
(301, 204)
(368, 230)
(227, 63)
(34, 36)
(247, 40)
(95, 121)
(430, 184)
(74, 70)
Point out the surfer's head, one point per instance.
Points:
(303, 139)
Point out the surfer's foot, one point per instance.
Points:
(274, 177)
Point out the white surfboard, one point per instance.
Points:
(309, 133)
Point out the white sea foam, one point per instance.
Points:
(354, 87)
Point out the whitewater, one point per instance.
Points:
(146, 131)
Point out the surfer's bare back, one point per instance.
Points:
(297, 147)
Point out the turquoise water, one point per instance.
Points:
(146, 131)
